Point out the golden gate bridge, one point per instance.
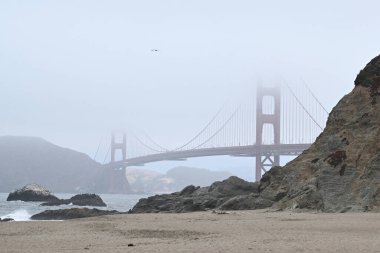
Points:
(281, 121)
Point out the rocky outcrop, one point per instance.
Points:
(340, 172)
(32, 192)
(193, 198)
(370, 75)
(73, 213)
(78, 200)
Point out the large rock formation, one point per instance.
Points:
(78, 200)
(73, 213)
(32, 192)
(340, 172)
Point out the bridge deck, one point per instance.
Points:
(248, 151)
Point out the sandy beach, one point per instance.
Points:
(242, 231)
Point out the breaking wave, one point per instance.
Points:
(18, 215)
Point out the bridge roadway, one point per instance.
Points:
(245, 151)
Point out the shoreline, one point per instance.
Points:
(235, 231)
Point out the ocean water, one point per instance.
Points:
(22, 211)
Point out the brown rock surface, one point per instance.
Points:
(341, 170)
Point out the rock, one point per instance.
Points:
(32, 192)
(370, 74)
(370, 77)
(6, 220)
(87, 200)
(245, 202)
(78, 200)
(193, 198)
(188, 190)
(73, 213)
(341, 171)
(232, 186)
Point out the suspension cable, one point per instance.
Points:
(302, 106)
(204, 129)
(97, 150)
(315, 97)
(155, 143)
(147, 146)
(220, 129)
(108, 151)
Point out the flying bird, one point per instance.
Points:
(154, 50)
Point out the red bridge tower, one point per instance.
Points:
(266, 161)
(118, 181)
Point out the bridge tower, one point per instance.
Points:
(118, 181)
(122, 146)
(265, 161)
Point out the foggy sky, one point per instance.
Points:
(73, 71)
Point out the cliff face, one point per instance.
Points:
(341, 170)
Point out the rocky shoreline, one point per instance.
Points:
(38, 193)
(220, 195)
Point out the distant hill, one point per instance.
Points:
(184, 176)
(26, 160)
(175, 179)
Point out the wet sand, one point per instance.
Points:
(242, 231)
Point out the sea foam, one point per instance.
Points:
(18, 215)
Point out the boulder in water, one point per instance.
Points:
(6, 220)
(78, 200)
(32, 192)
(73, 213)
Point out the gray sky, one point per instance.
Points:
(71, 71)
